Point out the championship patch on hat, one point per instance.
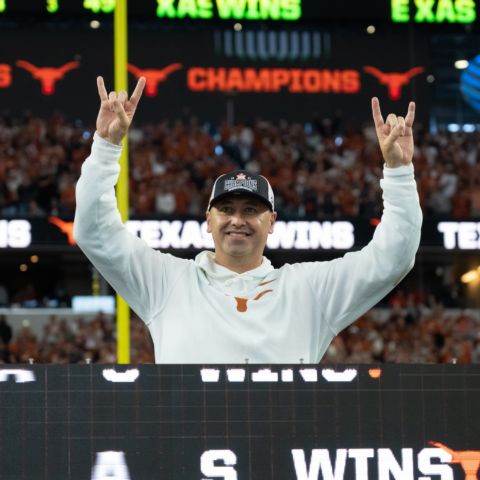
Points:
(241, 182)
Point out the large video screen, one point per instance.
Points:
(215, 74)
(239, 422)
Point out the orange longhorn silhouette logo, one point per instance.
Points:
(47, 75)
(394, 81)
(468, 459)
(65, 227)
(153, 77)
(242, 302)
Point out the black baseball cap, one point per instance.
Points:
(241, 182)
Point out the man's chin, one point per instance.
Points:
(237, 250)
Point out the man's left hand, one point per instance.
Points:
(395, 135)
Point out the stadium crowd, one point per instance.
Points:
(65, 341)
(408, 334)
(312, 167)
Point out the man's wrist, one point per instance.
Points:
(114, 141)
(106, 142)
(400, 171)
(396, 164)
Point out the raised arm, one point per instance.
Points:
(132, 268)
(347, 287)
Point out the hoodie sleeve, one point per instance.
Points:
(141, 275)
(347, 287)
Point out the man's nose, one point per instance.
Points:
(237, 218)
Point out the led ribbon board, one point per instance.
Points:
(316, 236)
(434, 11)
(282, 422)
(286, 10)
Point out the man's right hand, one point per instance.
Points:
(116, 111)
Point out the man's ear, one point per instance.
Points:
(273, 218)
(209, 228)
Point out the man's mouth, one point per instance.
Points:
(238, 234)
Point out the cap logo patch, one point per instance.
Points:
(240, 183)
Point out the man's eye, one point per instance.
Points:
(226, 209)
(251, 210)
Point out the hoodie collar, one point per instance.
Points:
(206, 261)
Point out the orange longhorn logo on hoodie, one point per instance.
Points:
(242, 302)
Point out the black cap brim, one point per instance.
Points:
(238, 193)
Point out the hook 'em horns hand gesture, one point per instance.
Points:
(395, 135)
(116, 111)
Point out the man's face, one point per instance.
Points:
(240, 225)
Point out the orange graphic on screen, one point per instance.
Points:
(468, 459)
(48, 76)
(394, 81)
(153, 77)
(65, 227)
(5, 75)
(375, 372)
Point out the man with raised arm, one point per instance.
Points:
(231, 305)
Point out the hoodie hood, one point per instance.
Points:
(229, 281)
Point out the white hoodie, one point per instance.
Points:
(201, 312)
